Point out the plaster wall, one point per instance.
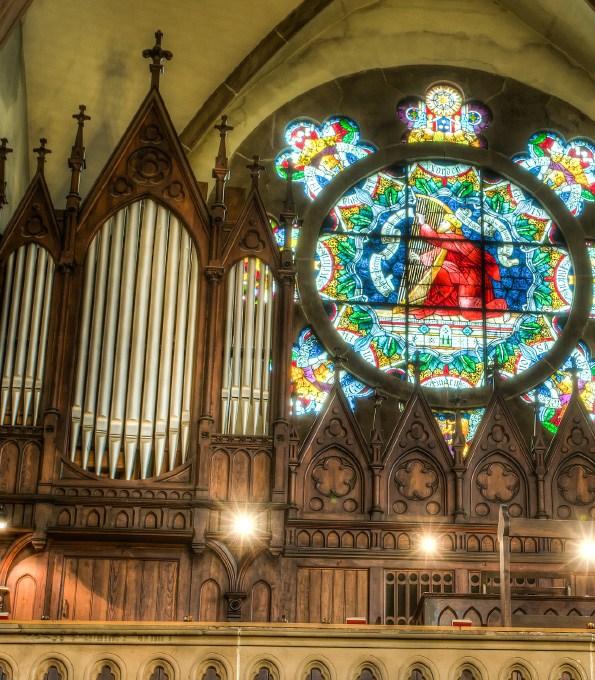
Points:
(13, 122)
(358, 35)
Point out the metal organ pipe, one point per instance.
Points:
(12, 332)
(177, 380)
(245, 372)
(23, 331)
(109, 339)
(124, 331)
(167, 342)
(153, 340)
(190, 339)
(137, 342)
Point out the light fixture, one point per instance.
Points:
(3, 517)
(244, 525)
(429, 544)
(587, 549)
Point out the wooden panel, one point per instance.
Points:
(209, 601)
(331, 594)
(9, 456)
(220, 476)
(24, 599)
(240, 477)
(261, 481)
(29, 468)
(261, 602)
(119, 589)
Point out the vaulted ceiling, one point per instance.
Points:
(249, 58)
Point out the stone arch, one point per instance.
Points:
(567, 669)
(419, 668)
(6, 668)
(107, 667)
(315, 669)
(263, 669)
(53, 665)
(469, 669)
(163, 667)
(517, 669)
(370, 668)
(214, 666)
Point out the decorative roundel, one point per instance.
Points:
(443, 100)
(445, 268)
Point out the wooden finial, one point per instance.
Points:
(338, 360)
(76, 162)
(416, 365)
(496, 374)
(458, 440)
(288, 215)
(255, 170)
(574, 372)
(157, 55)
(4, 151)
(289, 204)
(221, 172)
(378, 398)
(41, 152)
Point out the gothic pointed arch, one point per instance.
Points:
(333, 476)
(417, 475)
(499, 465)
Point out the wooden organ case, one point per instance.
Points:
(145, 399)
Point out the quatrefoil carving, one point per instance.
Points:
(334, 476)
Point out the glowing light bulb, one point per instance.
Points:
(429, 544)
(244, 525)
(587, 549)
(3, 524)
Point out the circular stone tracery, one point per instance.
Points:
(447, 259)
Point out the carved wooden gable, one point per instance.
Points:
(252, 235)
(570, 466)
(332, 477)
(499, 465)
(34, 221)
(417, 464)
(148, 161)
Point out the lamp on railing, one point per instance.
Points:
(429, 544)
(587, 549)
(3, 518)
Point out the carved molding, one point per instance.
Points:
(334, 477)
(498, 482)
(416, 480)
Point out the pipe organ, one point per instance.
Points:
(247, 356)
(132, 391)
(24, 319)
(146, 337)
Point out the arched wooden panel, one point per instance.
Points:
(487, 544)
(220, 476)
(9, 457)
(388, 542)
(209, 601)
(240, 477)
(24, 598)
(332, 540)
(261, 479)
(29, 468)
(261, 602)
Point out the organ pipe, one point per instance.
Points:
(124, 332)
(24, 322)
(246, 358)
(109, 340)
(136, 347)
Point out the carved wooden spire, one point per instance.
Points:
(4, 151)
(76, 162)
(41, 152)
(574, 372)
(416, 366)
(157, 55)
(288, 215)
(221, 172)
(338, 360)
(255, 170)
